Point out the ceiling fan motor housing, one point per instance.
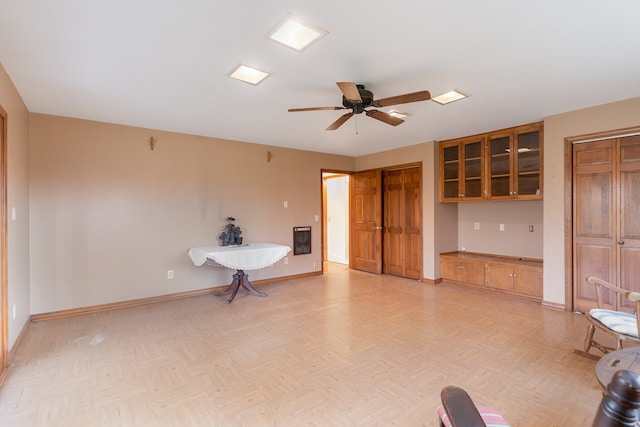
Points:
(365, 95)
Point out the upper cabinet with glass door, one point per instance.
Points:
(514, 163)
(501, 165)
(462, 169)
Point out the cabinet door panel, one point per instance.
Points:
(473, 154)
(450, 169)
(450, 269)
(528, 281)
(473, 272)
(500, 164)
(500, 276)
(527, 151)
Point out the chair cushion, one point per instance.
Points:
(617, 321)
(490, 416)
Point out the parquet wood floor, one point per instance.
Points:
(343, 349)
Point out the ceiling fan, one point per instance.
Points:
(357, 99)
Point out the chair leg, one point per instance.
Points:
(588, 342)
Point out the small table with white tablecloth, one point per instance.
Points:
(249, 256)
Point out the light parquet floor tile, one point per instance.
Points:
(343, 349)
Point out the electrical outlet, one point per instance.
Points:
(501, 227)
(14, 312)
(476, 226)
(170, 274)
(315, 265)
(531, 228)
(286, 260)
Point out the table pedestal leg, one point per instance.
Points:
(240, 279)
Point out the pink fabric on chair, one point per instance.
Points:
(490, 416)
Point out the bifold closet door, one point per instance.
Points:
(606, 217)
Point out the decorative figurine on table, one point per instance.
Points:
(231, 233)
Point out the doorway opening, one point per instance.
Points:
(335, 225)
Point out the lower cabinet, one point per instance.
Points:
(500, 273)
(461, 270)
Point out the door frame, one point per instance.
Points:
(568, 200)
(4, 292)
(323, 212)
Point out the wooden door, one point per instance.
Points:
(365, 206)
(594, 225)
(606, 213)
(393, 232)
(402, 222)
(628, 238)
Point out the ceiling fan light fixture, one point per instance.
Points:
(448, 97)
(296, 33)
(248, 74)
(398, 114)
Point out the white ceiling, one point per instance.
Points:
(162, 64)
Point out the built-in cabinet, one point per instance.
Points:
(520, 276)
(500, 165)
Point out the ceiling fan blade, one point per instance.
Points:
(292, 110)
(402, 99)
(335, 125)
(384, 117)
(350, 91)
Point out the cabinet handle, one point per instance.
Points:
(621, 242)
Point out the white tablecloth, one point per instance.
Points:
(252, 256)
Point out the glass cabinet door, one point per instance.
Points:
(500, 166)
(527, 176)
(450, 170)
(473, 174)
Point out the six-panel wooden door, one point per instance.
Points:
(402, 253)
(365, 207)
(606, 212)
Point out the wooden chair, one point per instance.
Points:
(458, 410)
(624, 326)
(618, 408)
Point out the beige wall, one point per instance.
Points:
(18, 198)
(617, 115)
(515, 240)
(110, 217)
